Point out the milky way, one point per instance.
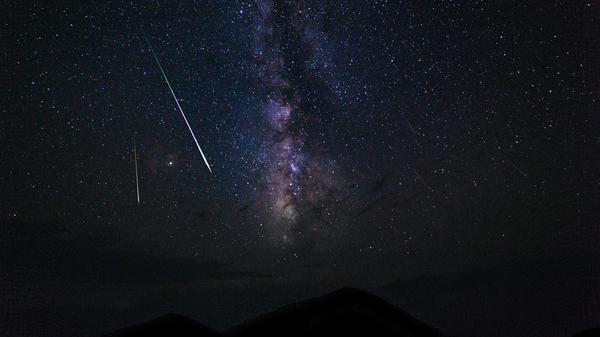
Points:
(352, 143)
(299, 177)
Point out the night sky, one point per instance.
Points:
(351, 143)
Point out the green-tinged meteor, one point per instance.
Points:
(177, 101)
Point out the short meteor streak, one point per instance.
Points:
(515, 166)
(419, 177)
(137, 181)
(177, 101)
(413, 130)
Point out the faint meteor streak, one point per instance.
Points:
(413, 130)
(419, 177)
(137, 181)
(177, 101)
(515, 166)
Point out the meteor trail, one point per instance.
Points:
(515, 166)
(419, 177)
(413, 130)
(137, 182)
(177, 101)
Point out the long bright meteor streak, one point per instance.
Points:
(137, 181)
(177, 101)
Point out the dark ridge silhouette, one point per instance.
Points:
(169, 325)
(344, 312)
(588, 333)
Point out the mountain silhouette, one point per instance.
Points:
(347, 311)
(168, 325)
(589, 333)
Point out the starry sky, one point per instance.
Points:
(351, 143)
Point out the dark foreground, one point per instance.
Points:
(347, 311)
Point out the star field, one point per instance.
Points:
(351, 143)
